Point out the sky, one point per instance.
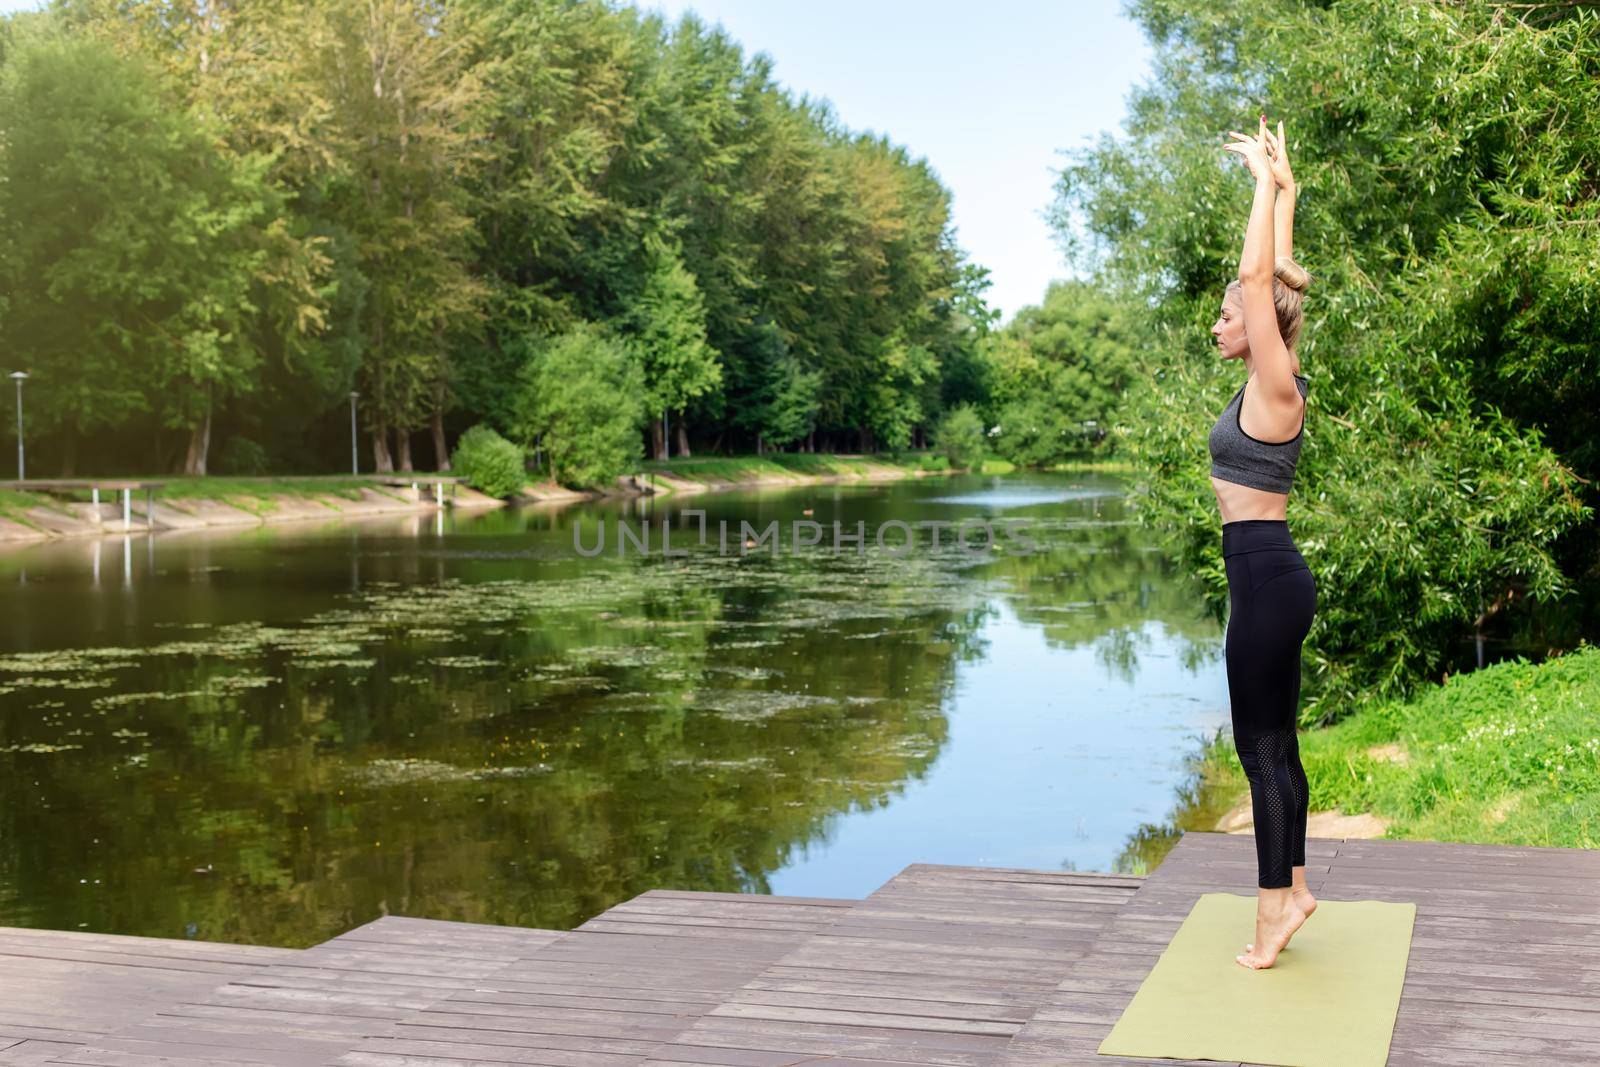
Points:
(989, 94)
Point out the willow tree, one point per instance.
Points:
(1446, 211)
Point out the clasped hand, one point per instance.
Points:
(1265, 153)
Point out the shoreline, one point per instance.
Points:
(751, 472)
(33, 517)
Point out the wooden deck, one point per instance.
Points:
(941, 965)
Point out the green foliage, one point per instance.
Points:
(1060, 372)
(960, 437)
(778, 397)
(489, 463)
(242, 456)
(1035, 432)
(409, 138)
(129, 244)
(1506, 754)
(579, 397)
(666, 327)
(515, 169)
(1447, 213)
(896, 394)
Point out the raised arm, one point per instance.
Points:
(1283, 177)
(1273, 370)
(1283, 223)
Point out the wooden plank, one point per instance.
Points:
(940, 965)
(33, 1051)
(773, 900)
(449, 1044)
(615, 986)
(1496, 962)
(322, 1001)
(394, 1052)
(962, 966)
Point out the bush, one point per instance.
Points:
(489, 463)
(960, 437)
(580, 395)
(242, 456)
(1035, 433)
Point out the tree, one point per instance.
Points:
(960, 437)
(240, 74)
(777, 398)
(1426, 185)
(131, 243)
(666, 325)
(579, 395)
(404, 99)
(1056, 369)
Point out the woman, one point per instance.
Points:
(1255, 446)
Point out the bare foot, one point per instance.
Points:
(1305, 902)
(1274, 928)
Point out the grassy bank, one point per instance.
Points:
(778, 466)
(791, 466)
(181, 487)
(214, 488)
(52, 514)
(1506, 755)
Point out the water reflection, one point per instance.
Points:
(271, 735)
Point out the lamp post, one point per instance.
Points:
(355, 464)
(19, 377)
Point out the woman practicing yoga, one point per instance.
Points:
(1255, 445)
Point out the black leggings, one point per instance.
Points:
(1272, 598)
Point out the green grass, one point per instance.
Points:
(1087, 463)
(1506, 755)
(14, 505)
(243, 490)
(777, 464)
(252, 494)
(749, 468)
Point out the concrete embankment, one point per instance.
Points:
(39, 516)
(46, 511)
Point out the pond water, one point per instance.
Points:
(273, 735)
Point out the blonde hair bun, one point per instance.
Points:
(1291, 274)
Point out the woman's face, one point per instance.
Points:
(1228, 331)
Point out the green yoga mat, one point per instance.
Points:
(1329, 1000)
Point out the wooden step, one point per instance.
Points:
(62, 989)
(941, 964)
(309, 1006)
(610, 990)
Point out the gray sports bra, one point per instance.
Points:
(1237, 457)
